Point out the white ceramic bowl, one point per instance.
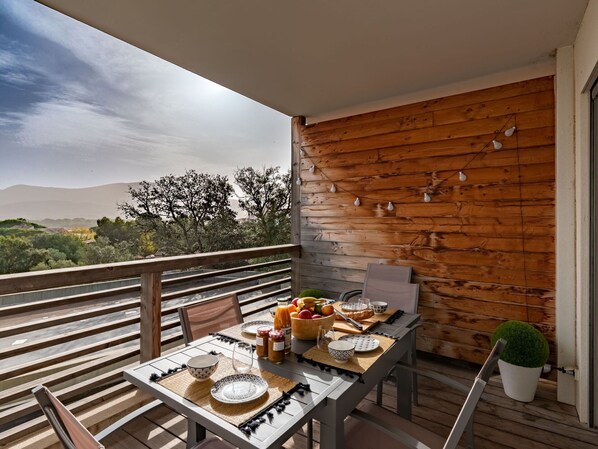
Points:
(341, 350)
(202, 366)
(379, 306)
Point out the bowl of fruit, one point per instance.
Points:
(309, 314)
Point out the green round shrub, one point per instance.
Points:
(311, 292)
(526, 346)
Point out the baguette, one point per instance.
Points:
(359, 315)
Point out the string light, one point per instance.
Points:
(426, 197)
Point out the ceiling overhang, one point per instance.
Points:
(313, 57)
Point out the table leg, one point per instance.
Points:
(332, 434)
(195, 433)
(404, 390)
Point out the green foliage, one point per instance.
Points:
(526, 346)
(179, 209)
(118, 230)
(267, 201)
(66, 246)
(17, 254)
(102, 251)
(19, 227)
(311, 292)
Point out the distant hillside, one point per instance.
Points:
(39, 203)
(59, 207)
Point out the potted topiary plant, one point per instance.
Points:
(522, 360)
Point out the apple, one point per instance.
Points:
(305, 314)
(314, 316)
(294, 301)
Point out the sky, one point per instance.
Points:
(79, 108)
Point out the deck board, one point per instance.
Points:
(500, 422)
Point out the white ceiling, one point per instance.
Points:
(311, 57)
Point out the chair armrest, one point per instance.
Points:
(403, 437)
(434, 375)
(345, 296)
(125, 419)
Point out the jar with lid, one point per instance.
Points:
(282, 321)
(276, 340)
(261, 341)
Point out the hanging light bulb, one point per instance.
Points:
(427, 198)
(509, 132)
(312, 169)
(357, 202)
(302, 152)
(462, 176)
(298, 182)
(390, 206)
(497, 144)
(332, 188)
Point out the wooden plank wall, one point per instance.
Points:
(482, 250)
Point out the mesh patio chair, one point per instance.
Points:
(373, 426)
(209, 315)
(73, 435)
(390, 283)
(379, 282)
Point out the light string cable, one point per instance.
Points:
(434, 184)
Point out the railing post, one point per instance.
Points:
(150, 314)
(297, 124)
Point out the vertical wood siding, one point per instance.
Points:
(467, 245)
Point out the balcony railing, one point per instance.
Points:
(78, 343)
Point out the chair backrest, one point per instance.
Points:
(468, 409)
(71, 433)
(209, 315)
(490, 364)
(390, 283)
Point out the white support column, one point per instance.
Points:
(565, 222)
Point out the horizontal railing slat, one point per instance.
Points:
(42, 280)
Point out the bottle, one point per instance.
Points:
(282, 321)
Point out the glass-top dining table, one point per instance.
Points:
(304, 387)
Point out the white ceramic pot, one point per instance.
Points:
(519, 382)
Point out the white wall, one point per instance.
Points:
(586, 67)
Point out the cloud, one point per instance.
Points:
(99, 95)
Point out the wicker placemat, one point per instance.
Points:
(359, 363)
(185, 385)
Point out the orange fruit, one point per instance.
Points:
(327, 310)
(292, 308)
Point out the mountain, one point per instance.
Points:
(43, 204)
(38, 203)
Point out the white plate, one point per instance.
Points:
(363, 343)
(251, 327)
(352, 307)
(239, 388)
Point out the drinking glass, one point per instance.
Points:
(364, 303)
(325, 336)
(242, 357)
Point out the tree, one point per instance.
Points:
(118, 230)
(267, 200)
(17, 254)
(70, 247)
(102, 251)
(178, 210)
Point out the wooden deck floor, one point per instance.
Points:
(500, 422)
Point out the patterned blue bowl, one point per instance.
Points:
(341, 350)
(202, 366)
